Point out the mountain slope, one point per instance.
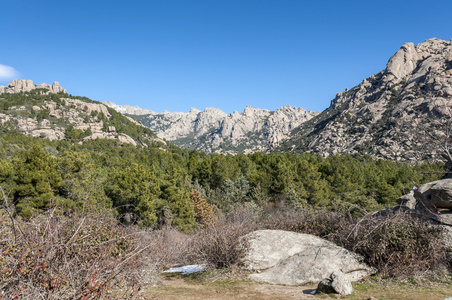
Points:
(382, 115)
(212, 130)
(46, 111)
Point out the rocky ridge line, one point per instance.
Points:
(212, 130)
(55, 119)
(19, 85)
(381, 115)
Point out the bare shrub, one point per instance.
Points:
(79, 257)
(396, 245)
(222, 244)
(168, 247)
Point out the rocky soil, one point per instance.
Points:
(180, 288)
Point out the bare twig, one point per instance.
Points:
(6, 206)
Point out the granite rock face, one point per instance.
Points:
(18, 85)
(435, 195)
(338, 283)
(382, 115)
(212, 130)
(407, 200)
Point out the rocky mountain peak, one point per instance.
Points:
(379, 116)
(403, 62)
(250, 111)
(20, 85)
(213, 130)
(127, 109)
(194, 110)
(406, 61)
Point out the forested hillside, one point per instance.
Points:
(152, 185)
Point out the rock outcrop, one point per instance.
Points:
(59, 118)
(407, 200)
(382, 115)
(18, 85)
(432, 201)
(337, 283)
(212, 130)
(295, 259)
(435, 195)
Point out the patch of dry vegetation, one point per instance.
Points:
(77, 257)
(397, 245)
(93, 256)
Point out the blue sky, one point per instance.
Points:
(177, 54)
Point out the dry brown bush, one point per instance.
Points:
(397, 245)
(221, 244)
(53, 256)
(204, 212)
(168, 248)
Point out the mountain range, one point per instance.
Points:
(383, 116)
(212, 130)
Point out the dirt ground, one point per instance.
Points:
(180, 288)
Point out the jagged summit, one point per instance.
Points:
(380, 115)
(213, 130)
(127, 109)
(20, 85)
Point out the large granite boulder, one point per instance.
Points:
(435, 195)
(291, 258)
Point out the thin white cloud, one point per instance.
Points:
(7, 72)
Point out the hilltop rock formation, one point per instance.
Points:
(382, 115)
(62, 117)
(18, 85)
(212, 130)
